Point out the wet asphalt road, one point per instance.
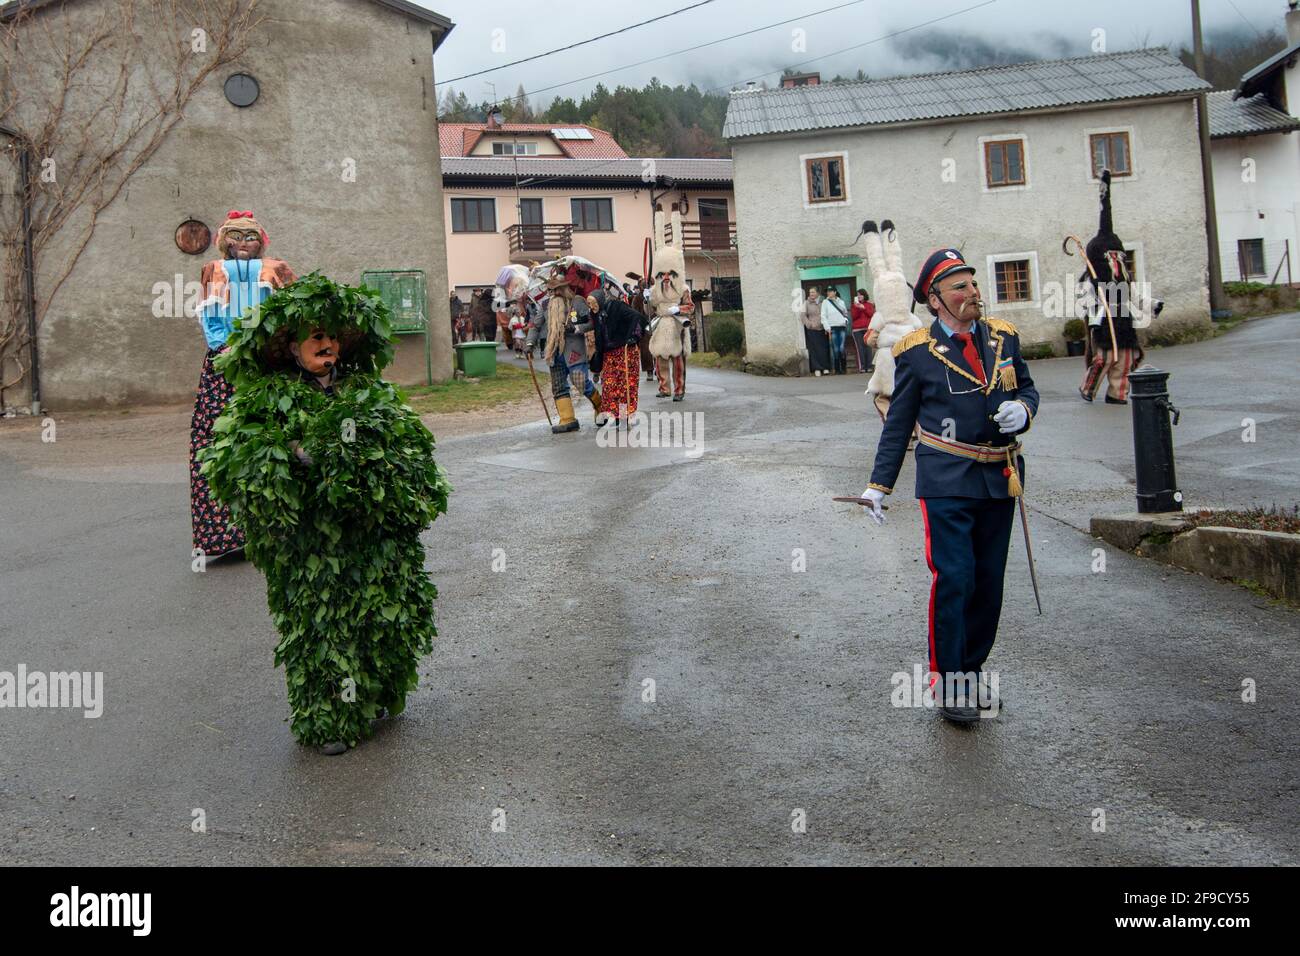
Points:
(772, 687)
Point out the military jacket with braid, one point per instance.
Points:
(935, 388)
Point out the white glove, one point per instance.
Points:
(674, 309)
(1011, 417)
(876, 496)
(645, 294)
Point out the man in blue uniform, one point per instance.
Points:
(962, 384)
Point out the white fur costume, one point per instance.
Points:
(667, 340)
(893, 300)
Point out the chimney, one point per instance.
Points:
(1292, 23)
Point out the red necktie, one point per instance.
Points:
(970, 355)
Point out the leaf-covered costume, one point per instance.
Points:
(337, 536)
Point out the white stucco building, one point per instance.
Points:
(1256, 153)
(1000, 162)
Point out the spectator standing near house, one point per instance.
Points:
(835, 320)
(481, 316)
(863, 311)
(815, 336)
(454, 307)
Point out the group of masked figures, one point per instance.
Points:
(589, 327)
(305, 459)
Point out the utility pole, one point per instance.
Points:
(1218, 301)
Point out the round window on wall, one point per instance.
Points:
(242, 89)
(193, 237)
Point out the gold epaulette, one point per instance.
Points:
(911, 339)
(1003, 326)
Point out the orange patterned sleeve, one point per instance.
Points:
(281, 274)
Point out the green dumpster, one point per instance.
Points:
(477, 359)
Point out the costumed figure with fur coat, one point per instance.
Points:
(671, 308)
(893, 319)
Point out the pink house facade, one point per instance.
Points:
(541, 202)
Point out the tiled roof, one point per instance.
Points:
(458, 139)
(1246, 117)
(539, 171)
(996, 89)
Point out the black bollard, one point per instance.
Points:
(1153, 441)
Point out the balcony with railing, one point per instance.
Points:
(708, 235)
(539, 241)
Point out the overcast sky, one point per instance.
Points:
(1015, 29)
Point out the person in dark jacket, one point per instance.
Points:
(617, 361)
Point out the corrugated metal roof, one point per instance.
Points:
(996, 89)
(628, 170)
(1230, 116)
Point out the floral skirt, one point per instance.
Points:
(620, 381)
(209, 518)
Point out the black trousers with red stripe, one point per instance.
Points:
(966, 541)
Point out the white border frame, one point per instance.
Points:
(1132, 154)
(803, 180)
(984, 173)
(1035, 286)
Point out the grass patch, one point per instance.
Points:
(714, 360)
(1230, 323)
(510, 384)
(1254, 519)
(1179, 333)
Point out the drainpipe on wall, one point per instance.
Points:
(29, 280)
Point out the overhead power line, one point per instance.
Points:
(571, 46)
(542, 179)
(692, 49)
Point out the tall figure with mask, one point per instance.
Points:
(241, 279)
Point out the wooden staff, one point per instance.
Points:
(529, 355)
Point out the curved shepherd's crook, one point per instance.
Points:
(1096, 285)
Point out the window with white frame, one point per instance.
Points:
(1004, 162)
(1014, 279)
(1111, 151)
(508, 148)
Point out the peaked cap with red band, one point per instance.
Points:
(942, 262)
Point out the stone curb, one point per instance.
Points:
(1266, 559)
